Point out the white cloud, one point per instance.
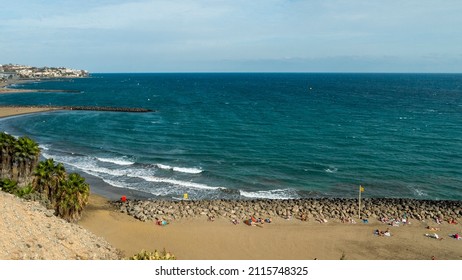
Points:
(175, 31)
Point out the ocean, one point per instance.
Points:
(256, 135)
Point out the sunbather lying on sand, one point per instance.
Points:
(433, 228)
(382, 233)
(434, 235)
(456, 236)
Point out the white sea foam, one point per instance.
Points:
(86, 164)
(331, 169)
(96, 171)
(271, 194)
(178, 183)
(179, 169)
(117, 184)
(419, 192)
(44, 147)
(118, 161)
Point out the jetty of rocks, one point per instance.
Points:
(314, 208)
(86, 108)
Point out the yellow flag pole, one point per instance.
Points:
(359, 202)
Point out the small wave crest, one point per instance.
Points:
(271, 194)
(417, 192)
(44, 147)
(331, 169)
(179, 169)
(118, 161)
(178, 183)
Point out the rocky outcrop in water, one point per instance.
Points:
(86, 108)
(327, 208)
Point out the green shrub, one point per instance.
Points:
(145, 255)
(25, 192)
(8, 185)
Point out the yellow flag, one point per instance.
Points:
(185, 196)
(361, 188)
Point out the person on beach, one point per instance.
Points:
(382, 233)
(303, 217)
(405, 219)
(452, 221)
(432, 228)
(456, 236)
(249, 222)
(434, 235)
(161, 222)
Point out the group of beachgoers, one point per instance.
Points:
(252, 221)
(161, 222)
(404, 221)
(396, 222)
(439, 221)
(386, 232)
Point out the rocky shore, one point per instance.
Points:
(328, 208)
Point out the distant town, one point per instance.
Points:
(16, 71)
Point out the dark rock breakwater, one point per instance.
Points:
(85, 108)
(327, 208)
(111, 109)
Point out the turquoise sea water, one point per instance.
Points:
(257, 135)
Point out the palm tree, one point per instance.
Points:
(48, 176)
(25, 157)
(73, 196)
(6, 154)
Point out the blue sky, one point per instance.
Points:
(234, 35)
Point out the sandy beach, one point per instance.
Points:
(13, 111)
(201, 239)
(6, 111)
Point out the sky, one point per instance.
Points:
(234, 35)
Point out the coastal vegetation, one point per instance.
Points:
(18, 158)
(22, 174)
(156, 255)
